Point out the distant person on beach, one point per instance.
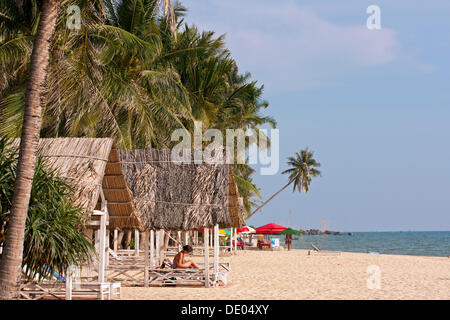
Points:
(180, 262)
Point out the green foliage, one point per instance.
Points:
(291, 231)
(132, 73)
(247, 189)
(53, 237)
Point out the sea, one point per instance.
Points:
(426, 243)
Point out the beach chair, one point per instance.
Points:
(240, 244)
(317, 251)
(264, 245)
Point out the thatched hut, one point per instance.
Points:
(181, 196)
(91, 166)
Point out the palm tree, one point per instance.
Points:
(128, 75)
(104, 80)
(169, 13)
(302, 169)
(11, 262)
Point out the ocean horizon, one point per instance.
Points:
(416, 243)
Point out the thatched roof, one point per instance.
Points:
(180, 196)
(88, 164)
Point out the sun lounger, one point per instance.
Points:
(36, 290)
(182, 276)
(164, 277)
(61, 287)
(224, 266)
(136, 262)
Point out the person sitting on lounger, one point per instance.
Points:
(180, 262)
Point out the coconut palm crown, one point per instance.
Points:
(302, 169)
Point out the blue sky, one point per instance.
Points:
(374, 105)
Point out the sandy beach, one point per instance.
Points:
(296, 275)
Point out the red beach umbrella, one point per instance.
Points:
(246, 229)
(270, 228)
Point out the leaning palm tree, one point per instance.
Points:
(302, 169)
(11, 262)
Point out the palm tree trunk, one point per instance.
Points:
(166, 241)
(11, 262)
(274, 195)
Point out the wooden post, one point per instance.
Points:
(180, 245)
(136, 242)
(127, 239)
(158, 246)
(116, 237)
(216, 252)
(164, 242)
(235, 240)
(119, 240)
(192, 237)
(89, 234)
(141, 241)
(152, 249)
(186, 238)
(211, 242)
(107, 238)
(206, 243)
(231, 240)
(146, 254)
(102, 247)
(97, 242)
(69, 285)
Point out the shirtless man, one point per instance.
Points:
(179, 262)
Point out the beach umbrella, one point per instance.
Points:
(246, 229)
(270, 228)
(222, 232)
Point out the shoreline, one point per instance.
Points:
(368, 253)
(414, 243)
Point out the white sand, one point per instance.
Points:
(296, 275)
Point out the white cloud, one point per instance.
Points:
(289, 47)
